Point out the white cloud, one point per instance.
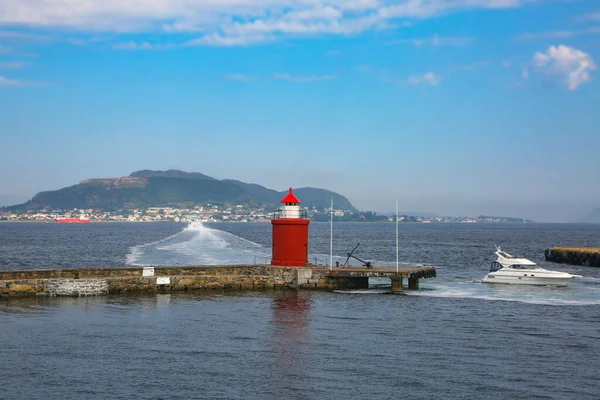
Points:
(318, 12)
(428, 78)
(569, 65)
(12, 64)
(506, 64)
(141, 46)
(305, 78)
(429, 8)
(240, 77)
(435, 41)
(234, 22)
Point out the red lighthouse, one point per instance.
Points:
(290, 234)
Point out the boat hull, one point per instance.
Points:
(72, 221)
(527, 280)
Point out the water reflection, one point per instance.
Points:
(291, 341)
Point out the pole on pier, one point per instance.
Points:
(331, 236)
(397, 269)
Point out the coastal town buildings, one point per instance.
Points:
(222, 213)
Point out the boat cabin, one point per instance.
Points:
(496, 266)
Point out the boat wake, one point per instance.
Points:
(363, 291)
(198, 245)
(576, 295)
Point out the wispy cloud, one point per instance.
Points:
(561, 34)
(592, 16)
(132, 46)
(470, 67)
(6, 82)
(141, 46)
(84, 41)
(428, 78)
(217, 39)
(506, 64)
(567, 65)
(235, 22)
(77, 41)
(9, 82)
(12, 64)
(333, 53)
(434, 41)
(240, 77)
(305, 78)
(16, 35)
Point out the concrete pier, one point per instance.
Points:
(103, 281)
(397, 285)
(413, 283)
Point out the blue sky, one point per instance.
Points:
(457, 107)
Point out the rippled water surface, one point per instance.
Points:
(454, 338)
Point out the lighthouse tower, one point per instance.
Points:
(290, 234)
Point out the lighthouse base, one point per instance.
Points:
(286, 263)
(290, 242)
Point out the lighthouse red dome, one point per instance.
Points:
(290, 198)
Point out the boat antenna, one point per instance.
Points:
(397, 270)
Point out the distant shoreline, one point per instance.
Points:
(324, 222)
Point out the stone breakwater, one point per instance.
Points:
(103, 281)
(575, 256)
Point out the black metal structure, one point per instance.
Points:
(365, 263)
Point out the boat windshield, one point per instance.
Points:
(495, 266)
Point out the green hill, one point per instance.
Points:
(171, 188)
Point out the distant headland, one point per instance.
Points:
(178, 196)
(171, 188)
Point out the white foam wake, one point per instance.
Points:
(198, 245)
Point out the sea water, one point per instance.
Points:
(453, 338)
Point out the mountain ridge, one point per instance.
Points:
(150, 188)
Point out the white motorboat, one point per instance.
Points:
(195, 223)
(521, 271)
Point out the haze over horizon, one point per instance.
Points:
(458, 108)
